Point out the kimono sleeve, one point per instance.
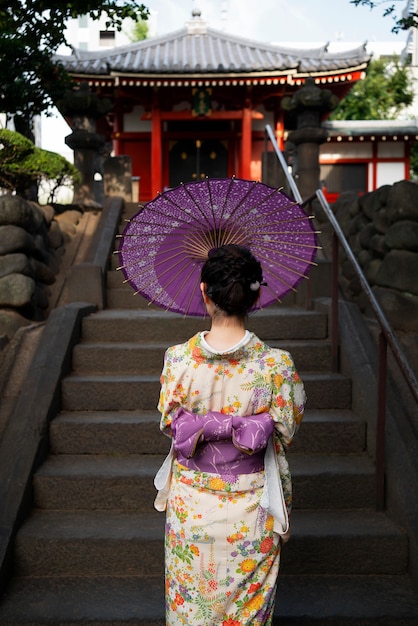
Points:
(288, 397)
(172, 394)
(287, 407)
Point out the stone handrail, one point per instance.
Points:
(25, 435)
(24, 432)
(86, 280)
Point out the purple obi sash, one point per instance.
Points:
(221, 444)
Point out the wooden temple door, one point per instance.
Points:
(196, 159)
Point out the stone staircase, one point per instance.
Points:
(91, 550)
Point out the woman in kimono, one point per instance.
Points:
(231, 404)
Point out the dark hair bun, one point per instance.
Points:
(232, 276)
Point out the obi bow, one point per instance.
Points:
(248, 434)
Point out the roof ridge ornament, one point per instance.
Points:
(196, 26)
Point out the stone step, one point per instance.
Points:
(319, 280)
(88, 482)
(137, 432)
(161, 326)
(124, 298)
(332, 481)
(118, 357)
(115, 278)
(107, 432)
(120, 294)
(330, 431)
(114, 260)
(134, 601)
(106, 392)
(68, 543)
(129, 210)
(140, 358)
(75, 543)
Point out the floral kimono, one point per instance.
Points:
(222, 547)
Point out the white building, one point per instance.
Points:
(85, 33)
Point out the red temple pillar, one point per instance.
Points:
(246, 143)
(117, 127)
(280, 133)
(156, 139)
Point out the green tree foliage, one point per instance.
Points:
(386, 90)
(30, 33)
(390, 9)
(139, 32)
(21, 164)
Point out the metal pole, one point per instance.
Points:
(381, 423)
(334, 304)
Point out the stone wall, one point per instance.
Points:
(32, 243)
(382, 230)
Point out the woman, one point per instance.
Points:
(232, 405)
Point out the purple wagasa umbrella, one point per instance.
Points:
(165, 244)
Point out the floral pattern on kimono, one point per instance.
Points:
(222, 554)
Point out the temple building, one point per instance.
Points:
(195, 102)
(363, 155)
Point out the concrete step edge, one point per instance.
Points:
(75, 377)
(107, 482)
(82, 544)
(140, 416)
(103, 524)
(116, 601)
(138, 466)
(97, 355)
(291, 312)
(284, 344)
(137, 432)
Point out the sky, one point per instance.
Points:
(277, 21)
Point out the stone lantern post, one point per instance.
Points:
(83, 108)
(307, 107)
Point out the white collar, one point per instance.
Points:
(238, 345)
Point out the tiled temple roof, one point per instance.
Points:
(197, 50)
(359, 128)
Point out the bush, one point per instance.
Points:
(22, 164)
